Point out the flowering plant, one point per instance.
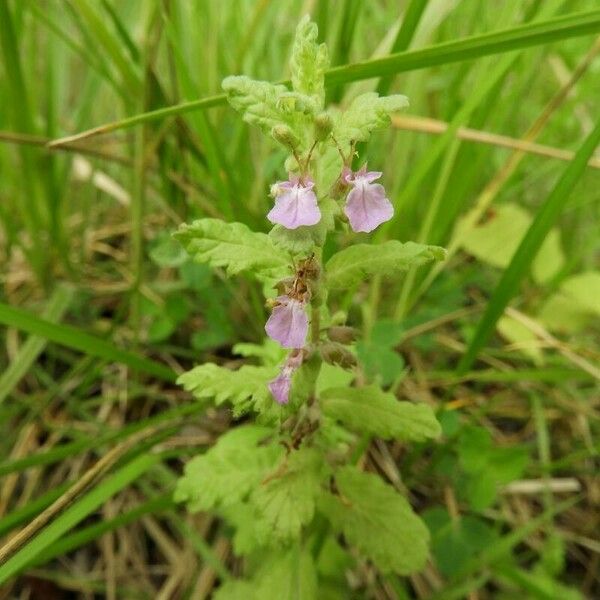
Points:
(289, 479)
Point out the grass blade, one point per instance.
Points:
(33, 347)
(72, 337)
(411, 19)
(527, 250)
(75, 513)
(516, 38)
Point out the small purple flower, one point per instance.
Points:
(281, 385)
(366, 204)
(295, 204)
(288, 323)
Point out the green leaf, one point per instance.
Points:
(526, 341)
(378, 521)
(496, 240)
(455, 541)
(355, 263)
(235, 590)
(309, 61)
(245, 388)
(289, 575)
(366, 113)
(370, 410)
(287, 501)
(228, 471)
(234, 247)
(166, 252)
(584, 291)
(268, 105)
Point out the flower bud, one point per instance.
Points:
(284, 135)
(342, 334)
(336, 354)
(323, 126)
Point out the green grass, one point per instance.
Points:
(114, 130)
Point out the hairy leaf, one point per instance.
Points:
(245, 388)
(355, 263)
(378, 521)
(309, 61)
(289, 575)
(234, 247)
(366, 113)
(268, 105)
(370, 410)
(287, 501)
(229, 470)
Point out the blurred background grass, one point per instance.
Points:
(102, 309)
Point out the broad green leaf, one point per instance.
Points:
(370, 410)
(559, 313)
(235, 590)
(245, 388)
(455, 541)
(366, 113)
(234, 247)
(309, 61)
(166, 252)
(378, 521)
(574, 305)
(289, 575)
(228, 471)
(286, 502)
(357, 262)
(332, 376)
(584, 291)
(496, 240)
(524, 339)
(268, 105)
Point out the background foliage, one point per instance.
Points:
(102, 309)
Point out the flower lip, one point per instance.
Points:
(288, 323)
(281, 385)
(366, 206)
(295, 204)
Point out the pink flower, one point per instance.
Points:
(366, 204)
(288, 323)
(295, 204)
(281, 385)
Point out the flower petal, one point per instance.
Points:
(280, 387)
(288, 323)
(367, 206)
(295, 207)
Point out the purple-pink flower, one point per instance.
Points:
(281, 385)
(366, 204)
(295, 204)
(288, 323)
